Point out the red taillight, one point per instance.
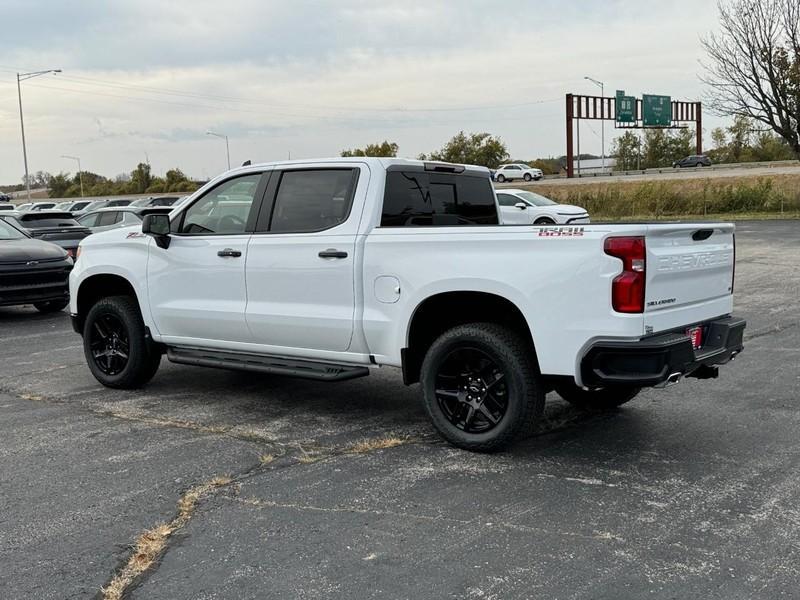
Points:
(627, 289)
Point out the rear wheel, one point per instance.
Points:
(501, 178)
(480, 387)
(699, 164)
(117, 351)
(51, 305)
(599, 399)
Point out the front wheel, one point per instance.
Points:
(527, 177)
(544, 221)
(600, 399)
(481, 388)
(51, 305)
(114, 343)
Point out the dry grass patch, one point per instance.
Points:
(152, 542)
(265, 459)
(370, 445)
(727, 196)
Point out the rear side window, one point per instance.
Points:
(312, 200)
(417, 198)
(109, 218)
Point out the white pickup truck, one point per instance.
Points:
(327, 269)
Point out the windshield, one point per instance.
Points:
(7, 232)
(535, 199)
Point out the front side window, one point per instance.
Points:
(224, 210)
(312, 200)
(414, 198)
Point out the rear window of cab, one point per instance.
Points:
(417, 198)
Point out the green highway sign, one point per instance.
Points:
(656, 111)
(626, 108)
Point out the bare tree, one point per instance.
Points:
(754, 64)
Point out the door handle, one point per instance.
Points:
(331, 253)
(230, 252)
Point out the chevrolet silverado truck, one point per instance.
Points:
(328, 269)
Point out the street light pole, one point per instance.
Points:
(22, 77)
(80, 171)
(602, 121)
(227, 147)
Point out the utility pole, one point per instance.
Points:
(22, 77)
(602, 121)
(227, 147)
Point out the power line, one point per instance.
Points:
(171, 92)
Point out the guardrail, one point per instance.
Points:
(661, 170)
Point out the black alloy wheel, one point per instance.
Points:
(481, 386)
(118, 349)
(471, 390)
(109, 343)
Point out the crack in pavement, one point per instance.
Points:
(153, 544)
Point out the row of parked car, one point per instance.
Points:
(39, 242)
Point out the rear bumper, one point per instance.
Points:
(663, 358)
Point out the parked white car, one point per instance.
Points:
(521, 207)
(517, 171)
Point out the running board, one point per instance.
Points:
(278, 365)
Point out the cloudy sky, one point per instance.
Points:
(145, 79)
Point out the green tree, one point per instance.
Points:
(625, 149)
(384, 149)
(661, 147)
(59, 185)
(140, 179)
(174, 179)
(473, 149)
(741, 134)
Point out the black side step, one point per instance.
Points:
(294, 367)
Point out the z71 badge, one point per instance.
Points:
(561, 232)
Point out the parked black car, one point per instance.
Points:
(695, 160)
(4, 197)
(32, 271)
(57, 227)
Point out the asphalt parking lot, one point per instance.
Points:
(688, 492)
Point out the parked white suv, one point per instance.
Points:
(521, 207)
(517, 171)
(328, 269)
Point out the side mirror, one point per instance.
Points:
(521, 205)
(157, 226)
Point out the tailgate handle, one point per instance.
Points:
(702, 234)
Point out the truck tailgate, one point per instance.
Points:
(689, 274)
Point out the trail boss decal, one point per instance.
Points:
(561, 232)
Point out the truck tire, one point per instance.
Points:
(480, 386)
(114, 343)
(600, 399)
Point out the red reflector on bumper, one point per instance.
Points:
(696, 335)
